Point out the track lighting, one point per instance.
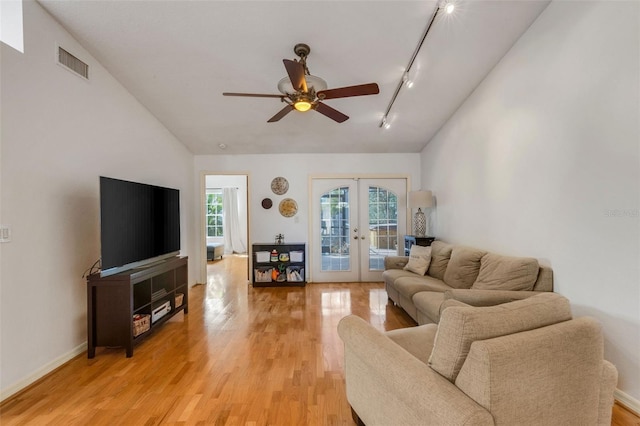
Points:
(405, 79)
(448, 7)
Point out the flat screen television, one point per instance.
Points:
(139, 224)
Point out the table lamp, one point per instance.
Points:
(419, 199)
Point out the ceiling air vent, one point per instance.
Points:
(74, 64)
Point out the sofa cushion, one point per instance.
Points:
(391, 275)
(506, 273)
(463, 267)
(419, 259)
(461, 326)
(440, 254)
(408, 286)
(428, 304)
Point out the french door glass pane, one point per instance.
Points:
(383, 226)
(334, 230)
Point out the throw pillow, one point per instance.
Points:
(506, 273)
(463, 267)
(419, 259)
(440, 254)
(459, 327)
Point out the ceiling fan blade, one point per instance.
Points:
(284, 111)
(333, 114)
(253, 95)
(296, 74)
(345, 92)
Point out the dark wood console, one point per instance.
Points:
(153, 294)
(410, 240)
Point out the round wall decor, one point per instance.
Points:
(288, 207)
(279, 185)
(267, 203)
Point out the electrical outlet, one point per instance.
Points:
(5, 233)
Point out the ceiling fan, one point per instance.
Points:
(302, 91)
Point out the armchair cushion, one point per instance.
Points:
(418, 341)
(460, 326)
(506, 273)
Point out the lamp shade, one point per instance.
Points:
(420, 199)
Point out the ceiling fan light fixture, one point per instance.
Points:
(302, 106)
(302, 91)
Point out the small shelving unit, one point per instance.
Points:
(150, 294)
(410, 240)
(288, 260)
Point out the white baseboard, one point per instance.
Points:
(41, 372)
(627, 400)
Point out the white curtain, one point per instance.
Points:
(232, 228)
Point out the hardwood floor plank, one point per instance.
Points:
(242, 356)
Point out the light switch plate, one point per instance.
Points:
(5, 233)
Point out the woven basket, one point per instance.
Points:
(179, 299)
(141, 323)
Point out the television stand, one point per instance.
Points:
(148, 265)
(153, 294)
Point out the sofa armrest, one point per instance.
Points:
(487, 297)
(387, 385)
(395, 262)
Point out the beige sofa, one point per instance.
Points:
(520, 363)
(473, 276)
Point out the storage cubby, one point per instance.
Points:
(288, 264)
(114, 301)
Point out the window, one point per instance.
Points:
(214, 213)
(334, 227)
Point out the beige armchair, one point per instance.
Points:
(521, 363)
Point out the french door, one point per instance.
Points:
(355, 224)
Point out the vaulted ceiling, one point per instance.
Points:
(177, 57)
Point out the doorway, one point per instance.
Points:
(225, 223)
(356, 222)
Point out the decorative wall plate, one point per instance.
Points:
(267, 203)
(279, 185)
(288, 207)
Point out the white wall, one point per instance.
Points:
(59, 133)
(543, 160)
(296, 168)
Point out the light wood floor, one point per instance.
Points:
(241, 356)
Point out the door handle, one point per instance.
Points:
(362, 238)
(355, 237)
